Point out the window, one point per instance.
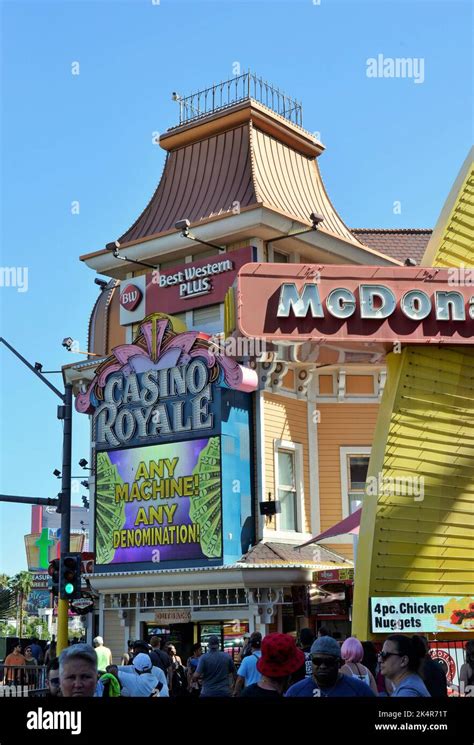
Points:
(206, 254)
(354, 466)
(208, 319)
(288, 460)
(280, 258)
(357, 471)
(165, 265)
(287, 490)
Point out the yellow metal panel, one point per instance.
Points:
(441, 460)
(408, 544)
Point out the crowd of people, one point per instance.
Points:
(269, 667)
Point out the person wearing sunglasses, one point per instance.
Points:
(327, 681)
(399, 662)
(52, 678)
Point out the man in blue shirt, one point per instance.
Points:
(216, 669)
(248, 673)
(327, 681)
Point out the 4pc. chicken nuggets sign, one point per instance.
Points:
(422, 614)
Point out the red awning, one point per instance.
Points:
(348, 525)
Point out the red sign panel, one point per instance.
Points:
(130, 297)
(195, 285)
(361, 304)
(335, 575)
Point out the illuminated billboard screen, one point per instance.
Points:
(160, 503)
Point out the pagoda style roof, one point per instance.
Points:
(238, 158)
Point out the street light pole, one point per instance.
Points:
(65, 414)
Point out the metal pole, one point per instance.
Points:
(64, 413)
(63, 605)
(29, 500)
(33, 370)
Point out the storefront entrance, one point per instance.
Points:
(179, 634)
(184, 635)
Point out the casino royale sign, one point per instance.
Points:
(359, 304)
(157, 402)
(162, 386)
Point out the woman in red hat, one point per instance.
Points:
(280, 659)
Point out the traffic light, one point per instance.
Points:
(70, 577)
(53, 571)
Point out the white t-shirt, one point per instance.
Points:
(142, 684)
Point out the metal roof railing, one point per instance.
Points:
(239, 88)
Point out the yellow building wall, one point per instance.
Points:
(425, 545)
(286, 419)
(341, 425)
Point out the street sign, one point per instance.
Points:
(82, 605)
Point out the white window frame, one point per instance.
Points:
(297, 449)
(344, 454)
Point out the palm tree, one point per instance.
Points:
(7, 600)
(21, 585)
(7, 604)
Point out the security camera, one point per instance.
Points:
(56, 473)
(83, 463)
(175, 96)
(101, 282)
(183, 225)
(68, 342)
(38, 367)
(316, 219)
(112, 246)
(410, 262)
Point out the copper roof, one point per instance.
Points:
(247, 155)
(291, 182)
(199, 180)
(400, 244)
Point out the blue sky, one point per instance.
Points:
(89, 138)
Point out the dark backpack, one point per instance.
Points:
(179, 682)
